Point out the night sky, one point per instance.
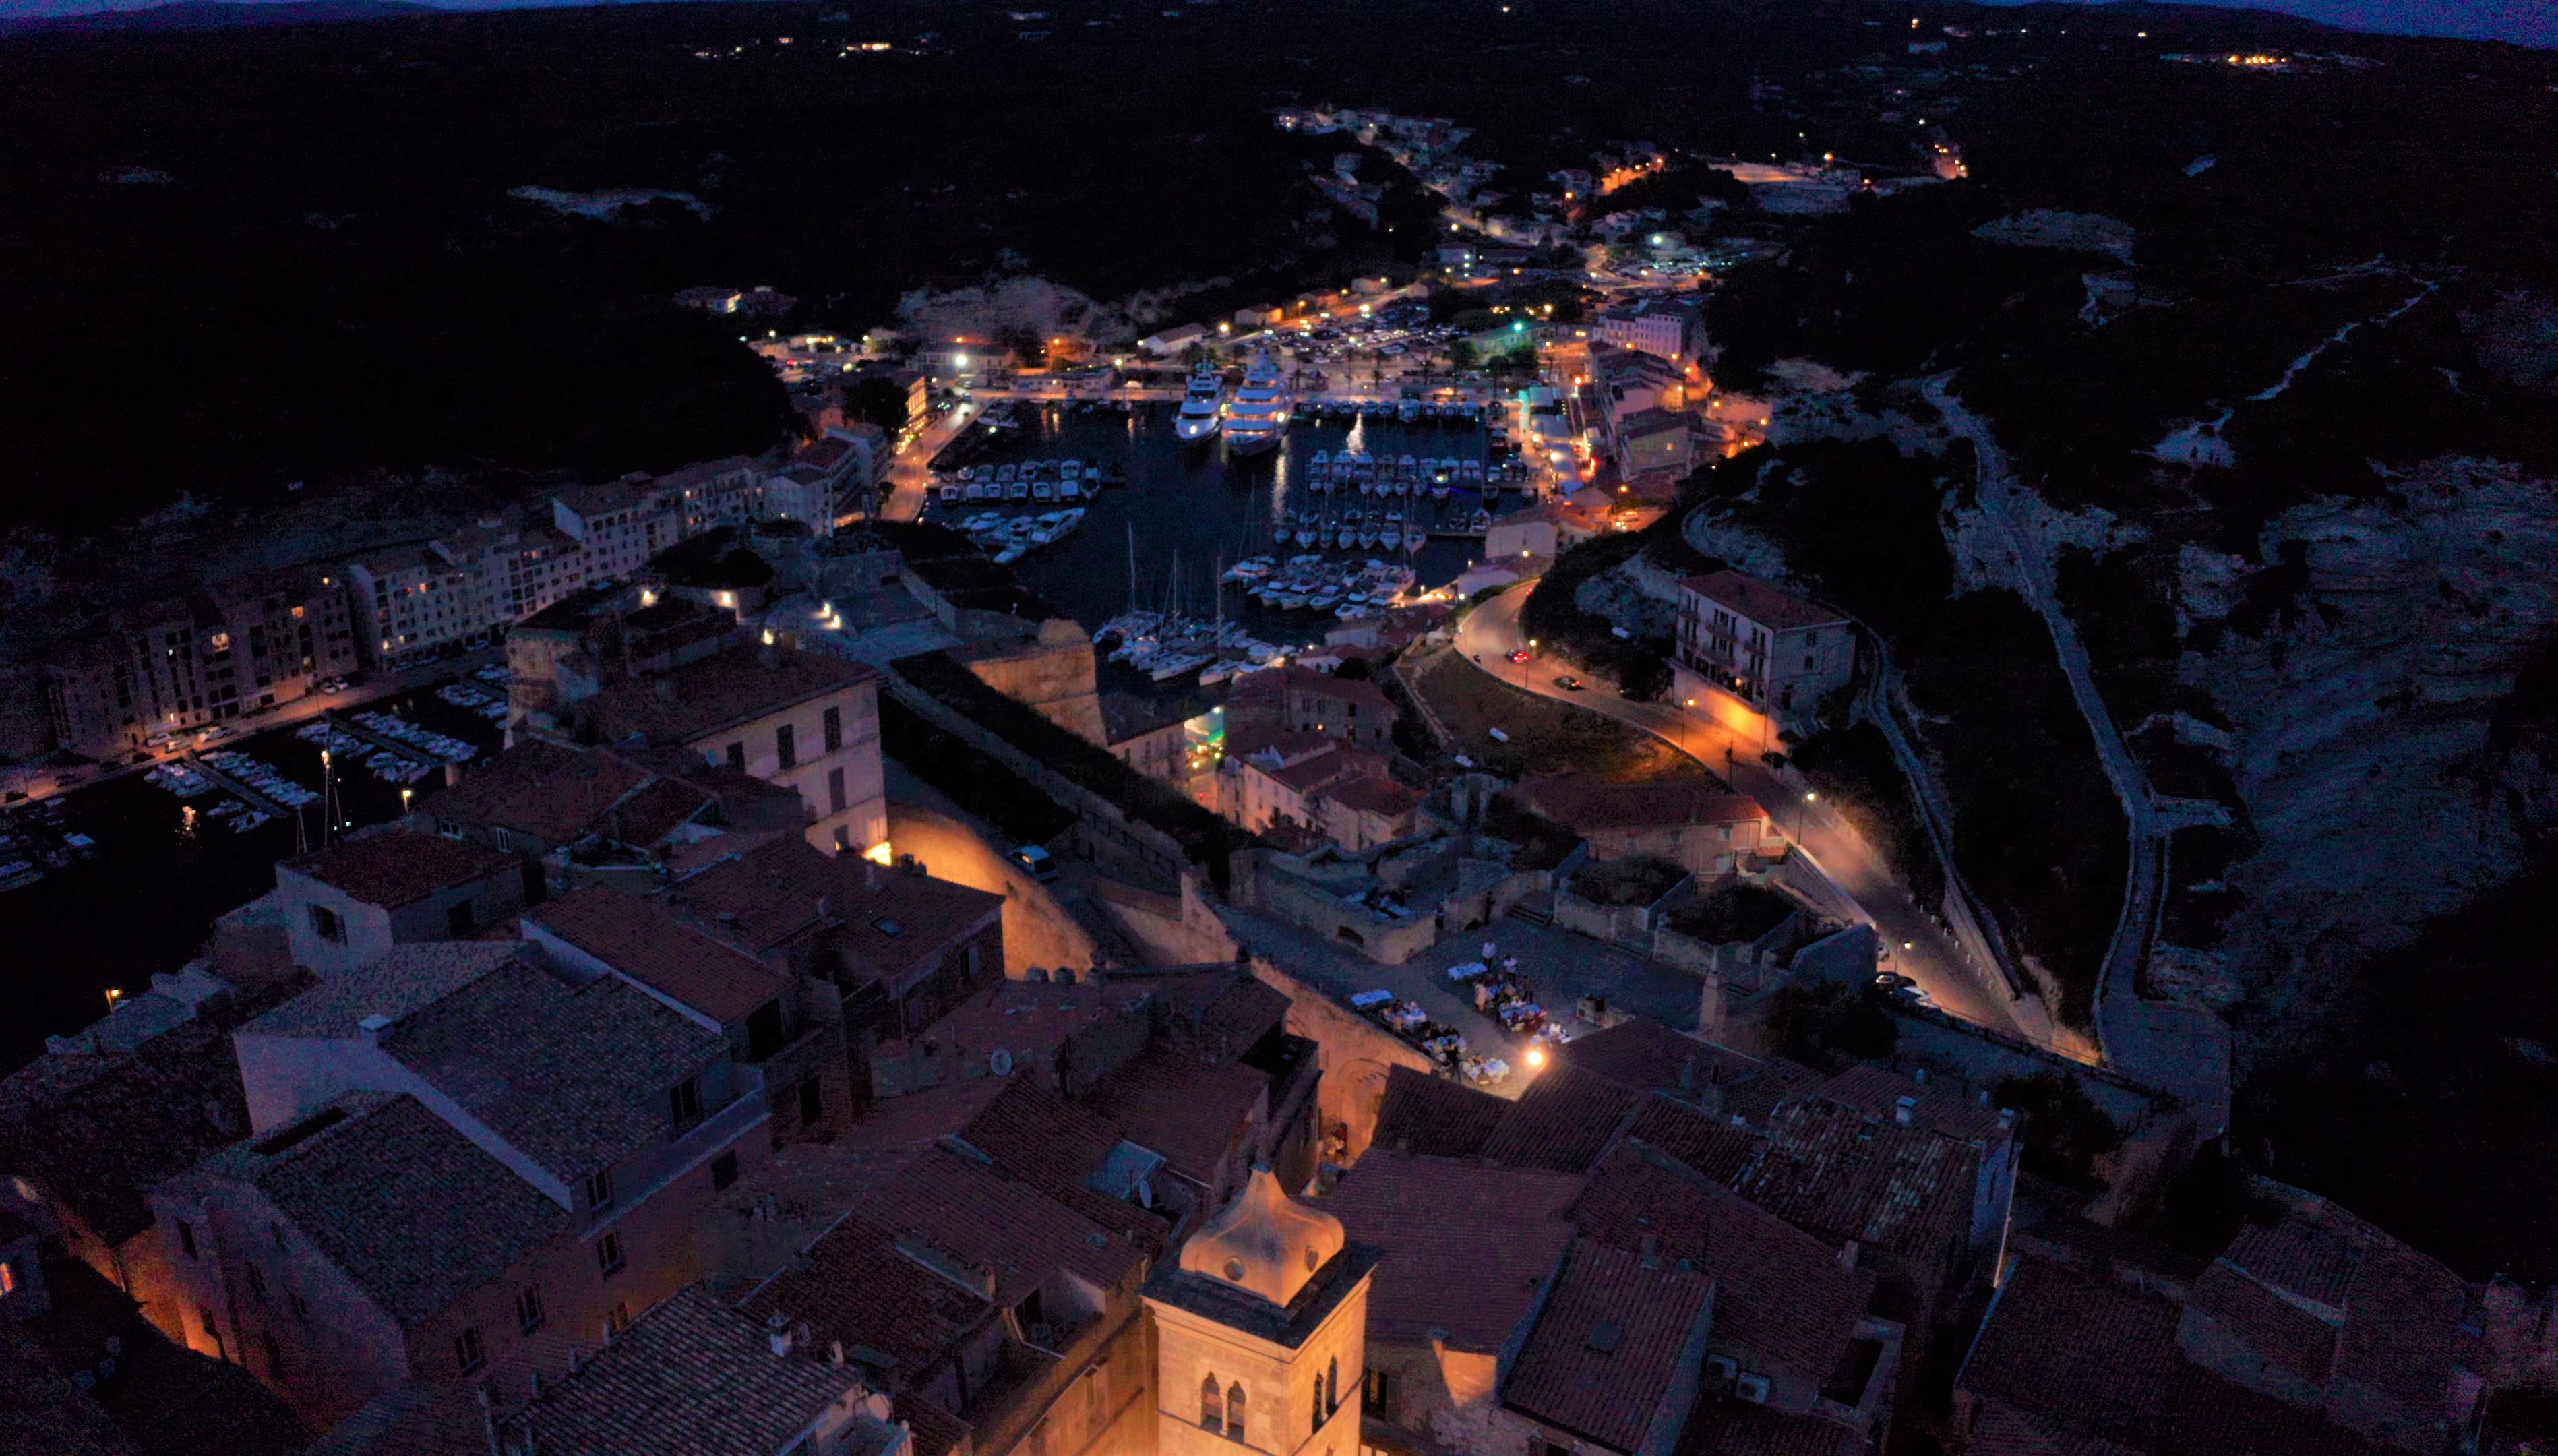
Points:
(2526, 22)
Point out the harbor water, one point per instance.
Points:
(1190, 509)
(160, 869)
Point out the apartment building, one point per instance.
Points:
(352, 901)
(1778, 652)
(181, 664)
(467, 1165)
(618, 525)
(807, 720)
(412, 603)
(1670, 327)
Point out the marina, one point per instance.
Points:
(1353, 505)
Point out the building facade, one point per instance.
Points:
(1780, 653)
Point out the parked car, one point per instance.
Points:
(1040, 864)
(1570, 683)
(1518, 655)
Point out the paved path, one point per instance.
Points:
(1920, 950)
(2029, 569)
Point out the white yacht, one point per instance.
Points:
(1257, 418)
(1201, 407)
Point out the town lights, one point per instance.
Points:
(1536, 1056)
(880, 853)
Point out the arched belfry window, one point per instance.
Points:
(1234, 1411)
(1212, 1406)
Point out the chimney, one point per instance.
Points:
(825, 907)
(777, 1330)
(1918, 1075)
(869, 873)
(2007, 1118)
(1847, 1257)
(374, 1026)
(664, 688)
(1904, 1111)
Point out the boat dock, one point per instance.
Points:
(237, 786)
(409, 751)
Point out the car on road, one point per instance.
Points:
(1570, 683)
(1892, 980)
(1037, 861)
(1518, 655)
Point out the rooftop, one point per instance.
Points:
(1778, 1291)
(392, 866)
(690, 1377)
(574, 1075)
(393, 985)
(1191, 1110)
(1000, 1227)
(1763, 602)
(641, 941)
(1643, 1054)
(559, 794)
(891, 1312)
(780, 889)
(1563, 1120)
(1433, 1115)
(708, 695)
(1465, 1247)
(412, 1210)
(1877, 1093)
(1609, 1347)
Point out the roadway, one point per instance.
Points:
(1918, 950)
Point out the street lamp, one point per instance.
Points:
(1808, 798)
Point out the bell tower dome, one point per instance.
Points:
(1261, 1332)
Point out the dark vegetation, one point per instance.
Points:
(2037, 828)
(1204, 838)
(1637, 879)
(2430, 1106)
(983, 786)
(1853, 771)
(715, 560)
(1542, 843)
(2062, 1132)
(1585, 638)
(1831, 1027)
(1732, 912)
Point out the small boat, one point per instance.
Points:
(1019, 490)
(950, 492)
(1175, 664)
(1044, 489)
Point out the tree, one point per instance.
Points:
(2062, 1132)
(1460, 354)
(878, 402)
(1353, 669)
(1828, 1026)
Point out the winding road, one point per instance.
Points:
(1833, 847)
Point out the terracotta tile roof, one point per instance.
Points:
(2280, 1333)
(1191, 1110)
(2297, 1255)
(1778, 1291)
(99, 1130)
(1563, 1120)
(1586, 806)
(1710, 1145)
(641, 941)
(913, 1121)
(2001, 1430)
(1720, 1427)
(1059, 1148)
(410, 1209)
(1225, 1012)
(1877, 1093)
(1026, 1018)
(690, 1377)
(1755, 1096)
(1372, 793)
(1643, 1055)
(1422, 1113)
(549, 790)
(45, 1412)
(394, 984)
(2213, 1416)
(1609, 1346)
(2402, 1335)
(891, 1313)
(890, 923)
(936, 1431)
(392, 866)
(712, 694)
(574, 1076)
(998, 1226)
(1836, 1174)
(1465, 1247)
(2079, 1352)
(1763, 602)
